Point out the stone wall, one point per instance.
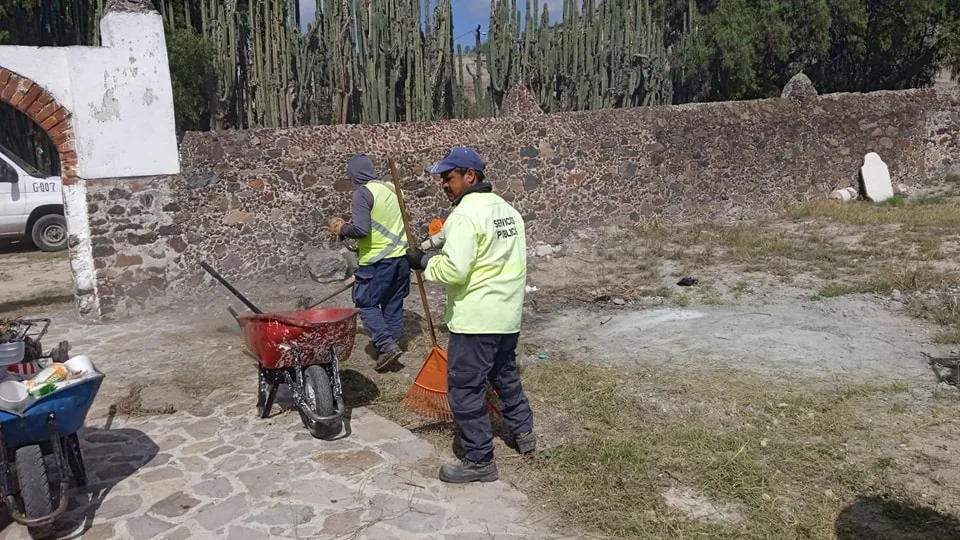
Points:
(256, 203)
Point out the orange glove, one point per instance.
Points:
(435, 225)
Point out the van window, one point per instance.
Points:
(27, 168)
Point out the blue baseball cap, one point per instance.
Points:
(461, 157)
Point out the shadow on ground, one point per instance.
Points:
(879, 518)
(36, 302)
(358, 391)
(8, 246)
(110, 456)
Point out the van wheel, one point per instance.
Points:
(50, 233)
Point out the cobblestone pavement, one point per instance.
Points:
(214, 469)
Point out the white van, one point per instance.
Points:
(31, 204)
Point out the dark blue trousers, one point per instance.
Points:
(474, 359)
(379, 291)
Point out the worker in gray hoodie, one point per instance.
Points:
(383, 277)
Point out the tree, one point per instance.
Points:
(744, 49)
(192, 76)
(888, 44)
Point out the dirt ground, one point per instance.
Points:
(787, 393)
(29, 275)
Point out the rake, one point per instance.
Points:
(428, 393)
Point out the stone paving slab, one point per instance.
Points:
(220, 471)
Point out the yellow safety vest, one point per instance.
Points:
(484, 265)
(387, 239)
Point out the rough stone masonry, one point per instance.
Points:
(252, 203)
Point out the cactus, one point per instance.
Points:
(395, 60)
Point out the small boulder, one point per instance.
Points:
(546, 250)
(799, 88)
(844, 195)
(326, 266)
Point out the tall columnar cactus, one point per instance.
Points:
(395, 60)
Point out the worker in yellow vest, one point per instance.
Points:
(382, 281)
(483, 263)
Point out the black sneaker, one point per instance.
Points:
(384, 359)
(526, 442)
(467, 471)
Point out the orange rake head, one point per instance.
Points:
(428, 393)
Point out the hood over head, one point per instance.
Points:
(360, 170)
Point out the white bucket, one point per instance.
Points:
(12, 394)
(80, 365)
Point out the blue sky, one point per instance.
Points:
(467, 14)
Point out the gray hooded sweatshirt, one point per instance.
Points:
(360, 171)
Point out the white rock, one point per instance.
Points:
(876, 178)
(543, 250)
(844, 195)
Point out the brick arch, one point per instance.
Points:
(40, 106)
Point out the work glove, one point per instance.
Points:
(417, 259)
(336, 225)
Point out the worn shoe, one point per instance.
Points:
(468, 471)
(526, 442)
(388, 357)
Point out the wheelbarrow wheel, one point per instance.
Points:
(34, 487)
(318, 394)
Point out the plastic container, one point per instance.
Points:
(11, 353)
(80, 366)
(14, 395)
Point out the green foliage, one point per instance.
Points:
(743, 49)
(7, 9)
(192, 76)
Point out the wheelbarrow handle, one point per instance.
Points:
(230, 288)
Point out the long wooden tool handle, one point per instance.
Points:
(410, 240)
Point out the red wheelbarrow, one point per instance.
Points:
(303, 350)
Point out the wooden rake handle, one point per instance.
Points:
(410, 240)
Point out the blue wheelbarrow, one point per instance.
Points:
(47, 427)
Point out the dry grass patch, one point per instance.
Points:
(715, 454)
(775, 461)
(888, 279)
(929, 213)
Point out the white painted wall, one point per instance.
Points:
(81, 252)
(121, 101)
(120, 96)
